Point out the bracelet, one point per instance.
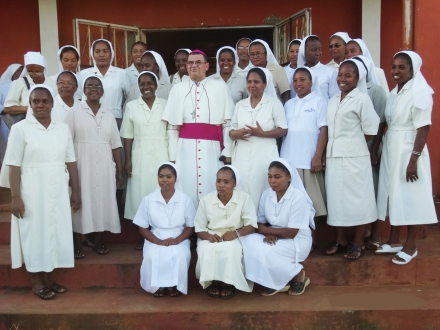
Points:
(237, 233)
(416, 153)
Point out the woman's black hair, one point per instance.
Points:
(69, 49)
(104, 41)
(138, 43)
(295, 42)
(406, 57)
(68, 72)
(304, 70)
(259, 72)
(168, 167)
(93, 77)
(230, 170)
(352, 64)
(151, 75)
(40, 88)
(310, 39)
(279, 166)
(355, 42)
(227, 50)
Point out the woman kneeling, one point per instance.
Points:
(222, 217)
(272, 256)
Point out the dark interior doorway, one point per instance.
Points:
(166, 42)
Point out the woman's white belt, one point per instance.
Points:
(400, 128)
(43, 164)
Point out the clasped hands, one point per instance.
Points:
(246, 132)
(227, 236)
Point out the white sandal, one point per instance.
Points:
(386, 248)
(405, 257)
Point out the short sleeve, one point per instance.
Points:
(70, 150)
(142, 217)
(127, 129)
(248, 215)
(16, 145)
(115, 138)
(14, 96)
(279, 117)
(368, 116)
(190, 212)
(421, 117)
(321, 113)
(201, 219)
(299, 213)
(261, 216)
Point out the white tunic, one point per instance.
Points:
(162, 91)
(273, 266)
(165, 266)
(60, 108)
(175, 78)
(149, 150)
(327, 80)
(42, 240)
(333, 65)
(209, 102)
(253, 157)
(382, 80)
(96, 168)
(290, 72)
(132, 74)
(223, 261)
(410, 203)
(243, 72)
(78, 92)
(19, 94)
(348, 180)
(304, 117)
(236, 85)
(116, 88)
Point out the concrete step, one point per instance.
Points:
(120, 268)
(329, 308)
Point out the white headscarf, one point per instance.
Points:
(237, 176)
(295, 182)
(109, 45)
(217, 57)
(302, 51)
(177, 184)
(155, 77)
(35, 87)
(181, 50)
(270, 88)
(343, 35)
(422, 92)
(60, 63)
(290, 43)
(74, 74)
(7, 75)
(270, 56)
(236, 45)
(364, 49)
(84, 97)
(362, 83)
(371, 76)
(33, 58)
(163, 72)
(315, 84)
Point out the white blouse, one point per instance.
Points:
(326, 79)
(236, 85)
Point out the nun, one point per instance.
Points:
(352, 121)
(67, 83)
(180, 61)
(337, 44)
(273, 255)
(405, 186)
(166, 221)
(243, 63)
(261, 55)
(292, 57)
(226, 59)
(137, 50)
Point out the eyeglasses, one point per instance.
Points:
(65, 83)
(93, 87)
(198, 63)
(243, 47)
(334, 45)
(256, 54)
(38, 74)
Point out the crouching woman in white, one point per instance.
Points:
(166, 220)
(222, 217)
(272, 256)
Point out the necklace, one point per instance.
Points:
(276, 206)
(145, 115)
(98, 125)
(166, 212)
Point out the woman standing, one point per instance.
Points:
(98, 151)
(337, 44)
(166, 221)
(40, 154)
(146, 141)
(68, 61)
(65, 100)
(256, 123)
(223, 216)
(180, 61)
(292, 57)
(405, 187)
(243, 62)
(226, 64)
(351, 121)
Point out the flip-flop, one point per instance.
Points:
(405, 257)
(271, 292)
(386, 248)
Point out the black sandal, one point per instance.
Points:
(354, 249)
(229, 290)
(298, 288)
(271, 292)
(78, 254)
(214, 288)
(101, 249)
(158, 293)
(57, 288)
(340, 249)
(42, 294)
(173, 292)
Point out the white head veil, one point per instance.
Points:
(217, 57)
(35, 87)
(422, 92)
(177, 184)
(302, 51)
(60, 63)
(237, 176)
(290, 43)
(73, 73)
(270, 88)
(236, 45)
(362, 83)
(296, 182)
(109, 45)
(371, 74)
(163, 72)
(315, 84)
(343, 35)
(364, 49)
(84, 97)
(187, 50)
(270, 56)
(33, 58)
(7, 75)
(144, 72)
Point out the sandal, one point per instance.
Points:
(57, 288)
(101, 249)
(340, 248)
(214, 291)
(78, 254)
(271, 292)
(87, 243)
(404, 258)
(140, 245)
(173, 292)
(387, 248)
(298, 288)
(354, 249)
(43, 293)
(159, 293)
(227, 292)
(372, 245)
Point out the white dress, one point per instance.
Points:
(165, 266)
(253, 157)
(42, 240)
(273, 266)
(408, 203)
(326, 79)
(236, 85)
(60, 108)
(149, 150)
(223, 261)
(162, 91)
(290, 72)
(348, 179)
(94, 138)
